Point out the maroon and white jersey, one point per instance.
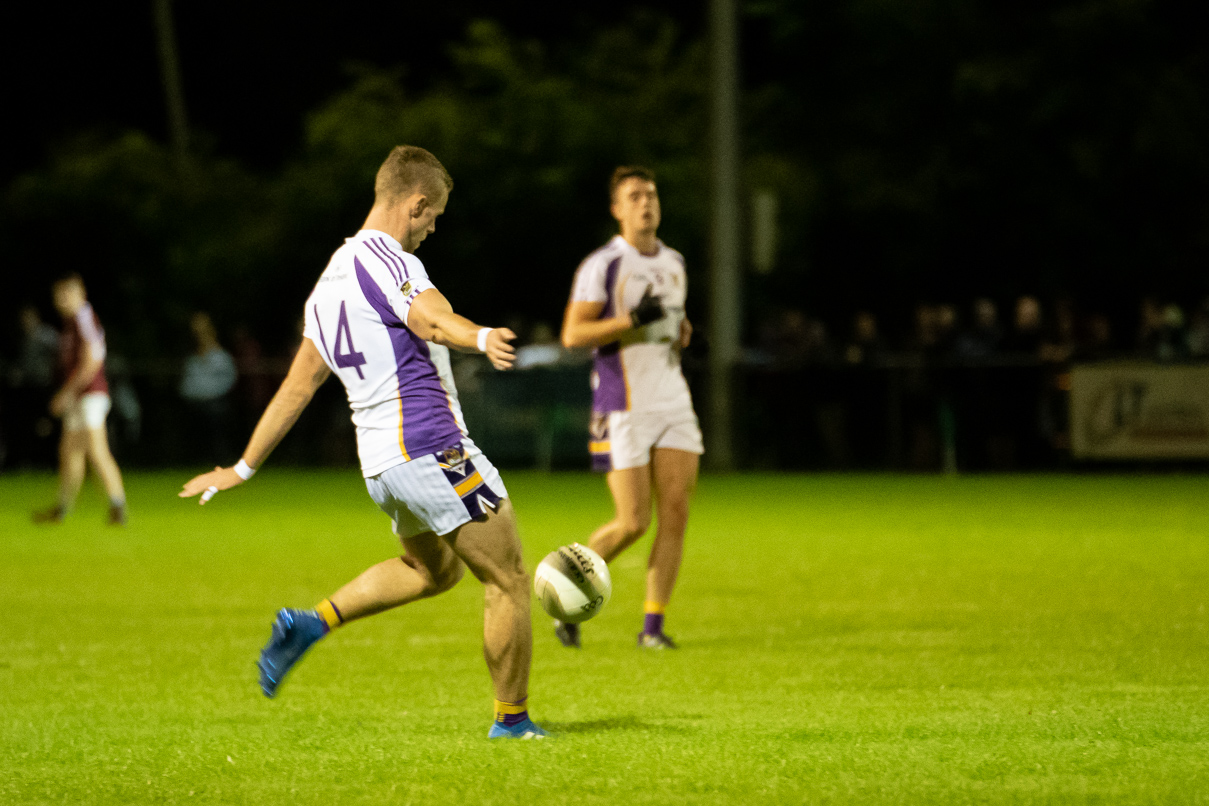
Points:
(82, 337)
(640, 371)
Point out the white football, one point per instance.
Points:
(573, 583)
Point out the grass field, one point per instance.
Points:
(844, 639)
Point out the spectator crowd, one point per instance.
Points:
(980, 387)
(970, 389)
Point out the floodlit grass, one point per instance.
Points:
(845, 639)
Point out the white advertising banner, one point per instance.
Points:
(1139, 411)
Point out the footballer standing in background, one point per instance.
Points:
(627, 302)
(369, 320)
(82, 403)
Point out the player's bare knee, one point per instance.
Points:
(513, 582)
(631, 532)
(449, 576)
(673, 516)
(437, 578)
(74, 442)
(97, 454)
(634, 524)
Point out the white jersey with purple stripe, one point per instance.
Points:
(641, 371)
(357, 318)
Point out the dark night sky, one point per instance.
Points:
(250, 70)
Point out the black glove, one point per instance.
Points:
(650, 309)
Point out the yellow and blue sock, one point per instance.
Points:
(512, 713)
(330, 615)
(652, 623)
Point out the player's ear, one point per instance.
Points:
(416, 206)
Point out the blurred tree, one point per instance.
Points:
(918, 148)
(530, 134)
(989, 147)
(152, 245)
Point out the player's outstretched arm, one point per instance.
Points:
(432, 318)
(306, 375)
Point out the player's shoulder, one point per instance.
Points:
(603, 255)
(670, 253)
(385, 251)
(383, 256)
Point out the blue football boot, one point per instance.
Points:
(521, 730)
(293, 633)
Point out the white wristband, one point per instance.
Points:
(244, 470)
(483, 338)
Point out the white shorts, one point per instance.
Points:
(438, 492)
(624, 439)
(88, 412)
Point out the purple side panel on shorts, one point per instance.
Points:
(598, 433)
(428, 423)
(610, 392)
(471, 499)
(602, 462)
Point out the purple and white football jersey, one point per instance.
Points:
(357, 318)
(640, 371)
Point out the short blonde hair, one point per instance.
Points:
(408, 168)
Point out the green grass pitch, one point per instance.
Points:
(860, 639)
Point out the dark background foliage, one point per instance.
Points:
(919, 149)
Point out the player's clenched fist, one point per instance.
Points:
(498, 350)
(218, 479)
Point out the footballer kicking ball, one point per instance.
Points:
(572, 583)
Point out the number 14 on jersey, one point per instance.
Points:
(345, 353)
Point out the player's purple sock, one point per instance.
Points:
(511, 713)
(652, 624)
(515, 719)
